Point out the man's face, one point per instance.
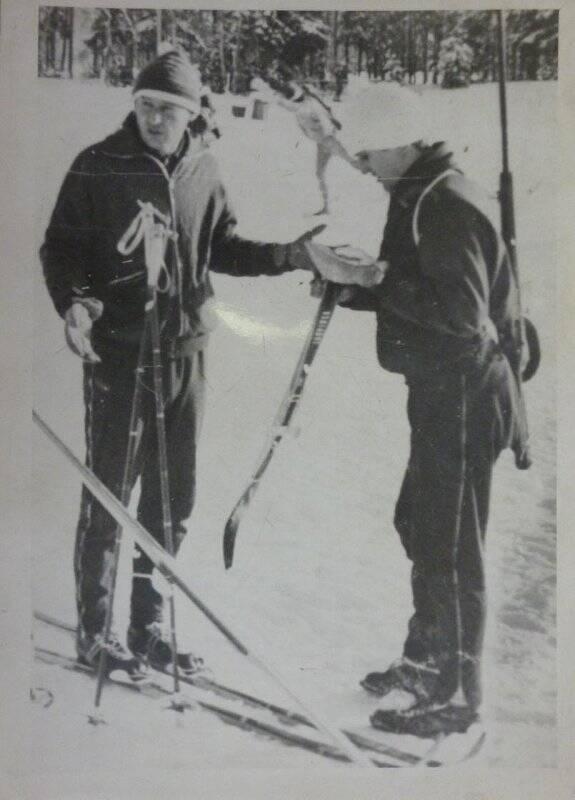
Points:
(388, 165)
(161, 124)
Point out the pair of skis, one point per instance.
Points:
(171, 570)
(254, 714)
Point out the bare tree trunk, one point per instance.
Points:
(64, 53)
(169, 17)
(135, 42)
(107, 47)
(411, 58)
(332, 55)
(403, 51)
(71, 43)
(235, 58)
(158, 30)
(234, 75)
(219, 32)
(437, 34)
(425, 52)
(50, 47)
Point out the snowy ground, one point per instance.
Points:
(320, 584)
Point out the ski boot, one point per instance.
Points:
(426, 719)
(150, 644)
(417, 678)
(89, 650)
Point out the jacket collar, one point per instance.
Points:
(126, 142)
(434, 160)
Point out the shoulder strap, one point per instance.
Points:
(424, 193)
(490, 329)
(319, 100)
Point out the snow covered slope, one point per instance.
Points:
(320, 583)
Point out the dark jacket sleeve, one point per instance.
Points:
(361, 299)
(64, 253)
(451, 295)
(233, 255)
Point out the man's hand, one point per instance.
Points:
(346, 265)
(78, 328)
(296, 252)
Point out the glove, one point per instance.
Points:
(346, 265)
(295, 254)
(78, 327)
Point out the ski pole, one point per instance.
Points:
(155, 235)
(163, 467)
(134, 435)
(169, 568)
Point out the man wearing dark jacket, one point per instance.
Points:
(448, 320)
(95, 269)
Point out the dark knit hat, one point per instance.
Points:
(171, 78)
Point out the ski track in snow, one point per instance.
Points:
(320, 586)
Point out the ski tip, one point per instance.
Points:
(95, 720)
(228, 556)
(229, 542)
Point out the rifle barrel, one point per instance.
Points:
(502, 83)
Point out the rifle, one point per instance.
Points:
(524, 328)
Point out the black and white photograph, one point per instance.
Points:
(293, 455)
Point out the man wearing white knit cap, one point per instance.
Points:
(97, 280)
(447, 320)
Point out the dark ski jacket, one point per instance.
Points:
(97, 203)
(448, 307)
(449, 294)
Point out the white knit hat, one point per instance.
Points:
(399, 114)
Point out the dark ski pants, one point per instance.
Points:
(108, 394)
(458, 428)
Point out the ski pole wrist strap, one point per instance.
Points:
(93, 306)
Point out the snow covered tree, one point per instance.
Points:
(455, 63)
(230, 46)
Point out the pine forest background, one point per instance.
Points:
(446, 48)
